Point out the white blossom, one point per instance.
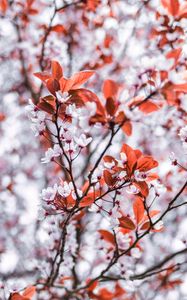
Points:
(51, 153)
(114, 216)
(140, 176)
(159, 225)
(123, 240)
(132, 189)
(62, 97)
(49, 193)
(65, 189)
(70, 147)
(82, 141)
(183, 136)
(71, 110)
(136, 253)
(123, 157)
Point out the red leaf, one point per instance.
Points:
(78, 79)
(119, 291)
(2, 117)
(131, 157)
(82, 96)
(30, 2)
(127, 128)
(110, 89)
(146, 163)
(107, 236)
(127, 223)
(45, 106)
(110, 159)
(120, 118)
(172, 6)
(174, 54)
(110, 106)
(58, 28)
(87, 200)
(53, 86)
(105, 294)
(110, 181)
(29, 292)
(180, 87)
(57, 71)
(16, 296)
(92, 286)
(138, 209)
(143, 187)
(3, 6)
(148, 107)
(43, 76)
(145, 226)
(64, 84)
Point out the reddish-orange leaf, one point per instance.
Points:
(151, 214)
(110, 89)
(53, 86)
(45, 106)
(87, 200)
(127, 223)
(79, 96)
(105, 294)
(148, 107)
(110, 181)
(145, 226)
(131, 156)
(143, 188)
(27, 294)
(92, 5)
(120, 118)
(63, 84)
(107, 236)
(16, 296)
(30, 2)
(57, 71)
(146, 163)
(33, 11)
(58, 28)
(43, 76)
(172, 6)
(152, 176)
(2, 117)
(109, 159)
(50, 99)
(180, 87)
(3, 6)
(138, 153)
(138, 208)
(183, 11)
(119, 291)
(174, 54)
(127, 128)
(79, 78)
(92, 286)
(111, 107)
(29, 291)
(79, 215)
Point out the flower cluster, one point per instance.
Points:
(183, 136)
(37, 117)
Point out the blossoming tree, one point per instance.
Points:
(93, 149)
